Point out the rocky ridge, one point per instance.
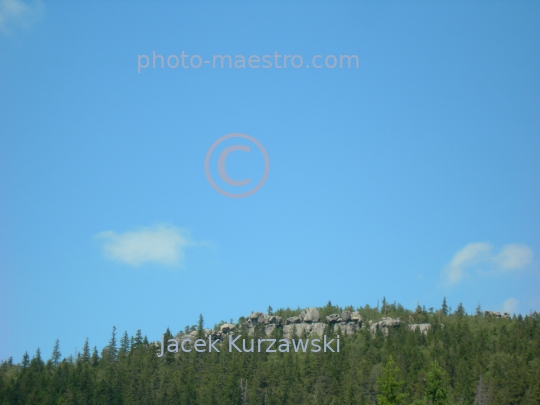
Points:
(309, 324)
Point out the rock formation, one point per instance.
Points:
(308, 324)
(422, 327)
(384, 324)
(498, 315)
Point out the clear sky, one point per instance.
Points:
(413, 176)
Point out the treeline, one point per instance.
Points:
(464, 359)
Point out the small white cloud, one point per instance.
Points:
(510, 305)
(514, 257)
(472, 254)
(17, 13)
(480, 254)
(163, 244)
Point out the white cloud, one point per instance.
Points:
(17, 13)
(514, 257)
(163, 244)
(470, 255)
(480, 255)
(510, 305)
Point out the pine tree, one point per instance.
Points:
(389, 385)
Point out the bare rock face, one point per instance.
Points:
(311, 329)
(288, 331)
(422, 327)
(347, 328)
(255, 315)
(310, 315)
(346, 316)
(333, 318)
(384, 324)
(269, 329)
(309, 323)
(317, 329)
(356, 317)
(226, 327)
(293, 319)
(497, 315)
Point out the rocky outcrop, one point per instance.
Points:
(347, 328)
(383, 325)
(332, 318)
(310, 315)
(310, 329)
(498, 315)
(424, 328)
(292, 320)
(309, 324)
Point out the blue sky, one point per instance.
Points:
(414, 176)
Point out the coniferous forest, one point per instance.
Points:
(463, 359)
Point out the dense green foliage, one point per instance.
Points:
(464, 359)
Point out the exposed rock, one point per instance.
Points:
(384, 324)
(226, 327)
(288, 331)
(347, 328)
(185, 337)
(269, 329)
(308, 323)
(497, 315)
(317, 329)
(293, 319)
(356, 317)
(255, 315)
(422, 327)
(310, 315)
(333, 318)
(311, 329)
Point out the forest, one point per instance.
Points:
(465, 358)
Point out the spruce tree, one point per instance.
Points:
(86, 352)
(444, 308)
(55, 358)
(112, 348)
(124, 344)
(95, 357)
(389, 385)
(25, 360)
(437, 385)
(200, 327)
